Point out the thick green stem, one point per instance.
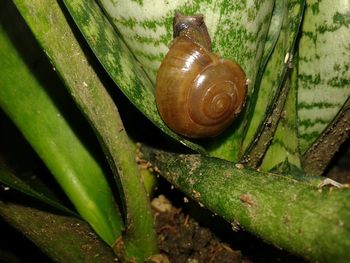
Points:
(49, 25)
(35, 100)
(299, 216)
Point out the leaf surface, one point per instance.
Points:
(324, 67)
(9, 179)
(36, 101)
(120, 62)
(238, 31)
(272, 77)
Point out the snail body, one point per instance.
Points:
(198, 94)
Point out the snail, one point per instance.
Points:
(198, 93)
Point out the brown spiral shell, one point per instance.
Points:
(198, 94)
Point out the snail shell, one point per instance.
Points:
(198, 94)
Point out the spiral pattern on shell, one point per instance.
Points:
(198, 94)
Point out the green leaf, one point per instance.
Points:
(35, 100)
(285, 144)
(92, 98)
(260, 97)
(324, 74)
(119, 62)
(302, 217)
(268, 91)
(238, 31)
(316, 159)
(276, 23)
(8, 178)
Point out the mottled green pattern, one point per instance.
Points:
(118, 61)
(324, 67)
(273, 75)
(275, 27)
(241, 35)
(278, 16)
(293, 215)
(238, 30)
(284, 146)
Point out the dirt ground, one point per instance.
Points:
(181, 238)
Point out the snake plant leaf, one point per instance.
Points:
(237, 29)
(275, 27)
(316, 159)
(270, 87)
(324, 67)
(119, 62)
(10, 180)
(35, 100)
(284, 148)
(278, 16)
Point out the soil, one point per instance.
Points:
(182, 239)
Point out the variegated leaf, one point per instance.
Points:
(324, 67)
(119, 62)
(272, 77)
(238, 30)
(284, 146)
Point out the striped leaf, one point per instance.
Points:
(316, 159)
(324, 74)
(238, 31)
(284, 146)
(119, 62)
(268, 90)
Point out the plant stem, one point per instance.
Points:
(34, 99)
(58, 40)
(299, 216)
